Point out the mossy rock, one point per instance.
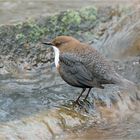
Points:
(70, 22)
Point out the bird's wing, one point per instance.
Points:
(74, 72)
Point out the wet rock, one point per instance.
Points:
(1, 65)
(127, 31)
(27, 66)
(129, 68)
(20, 41)
(3, 114)
(42, 126)
(107, 13)
(35, 103)
(37, 121)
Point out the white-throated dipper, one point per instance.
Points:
(82, 66)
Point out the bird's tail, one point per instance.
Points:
(128, 85)
(121, 81)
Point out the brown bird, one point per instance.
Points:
(82, 66)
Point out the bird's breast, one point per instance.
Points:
(57, 53)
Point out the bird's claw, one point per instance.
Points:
(79, 103)
(87, 102)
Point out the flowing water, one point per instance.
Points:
(30, 93)
(126, 130)
(27, 96)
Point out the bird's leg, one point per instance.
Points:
(80, 95)
(87, 94)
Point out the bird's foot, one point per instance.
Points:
(87, 102)
(79, 103)
(82, 103)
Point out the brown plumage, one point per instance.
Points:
(82, 66)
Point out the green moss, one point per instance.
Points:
(65, 23)
(30, 32)
(69, 22)
(52, 24)
(88, 13)
(20, 37)
(19, 26)
(36, 32)
(71, 17)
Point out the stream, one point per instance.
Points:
(36, 104)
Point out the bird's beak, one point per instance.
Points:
(47, 43)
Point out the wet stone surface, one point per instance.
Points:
(42, 101)
(35, 103)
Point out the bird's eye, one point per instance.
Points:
(58, 43)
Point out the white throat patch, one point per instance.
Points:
(56, 52)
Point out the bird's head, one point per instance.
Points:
(62, 42)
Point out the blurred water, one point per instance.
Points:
(32, 92)
(18, 10)
(26, 93)
(128, 130)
